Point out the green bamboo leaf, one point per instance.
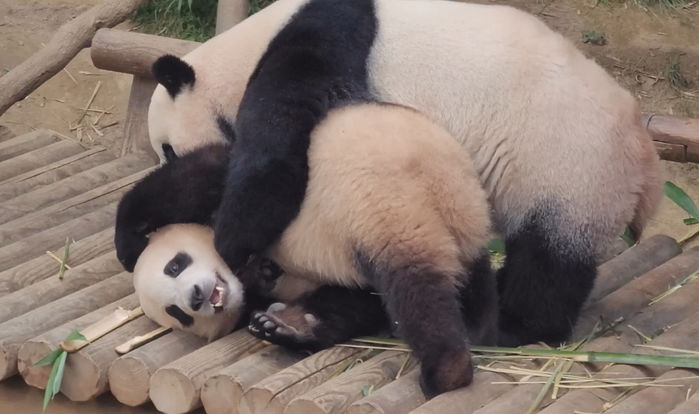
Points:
(690, 221)
(681, 198)
(75, 335)
(367, 390)
(49, 391)
(496, 246)
(48, 359)
(627, 238)
(61, 364)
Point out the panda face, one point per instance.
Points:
(182, 283)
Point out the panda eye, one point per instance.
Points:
(178, 263)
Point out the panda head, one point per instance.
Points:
(183, 114)
(181, 282)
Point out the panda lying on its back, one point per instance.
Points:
(392, 204)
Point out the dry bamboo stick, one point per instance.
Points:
(223, 391)
(36, 348)
(67, 41)
(176, 387)
(129, 376)
(43, 267)
(643, 257)
(16, 331)
(337, 394)
(272, 394)
(639, 292)
(399, 397)
(41, 293)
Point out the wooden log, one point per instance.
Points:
(272, 394)
(67, 41)
(674, 130)
(37, 158)
(176, 387)
(16, 331)
(230, 13)
(54, 172)
(134, 53)
(691, 406)
(45, 266)
(399, 397)
(36, 348)
(638, 293)
(54, 238)
(671, 152)
(639, 259)
(42, 293)
(25, 143)
(72, 187)
(337, 394)
(656, 400)
(223, 391)
(136, 126)
(5, 133)
(129, 376)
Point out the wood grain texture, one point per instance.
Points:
(675, 130)
(129, 375)
(656, 400)
(271, 395)
(25, 143)
(229, 13)
(223, 391)
(134, 53)
(36, 348)
(54, 238)
(41, 293)
(176, 387)
(691, 406)
(336, 395)
(136, 125)
(49, 174)
(38, 158)
(44, 266)
(67, 41)
(16, 331)
(399, 397)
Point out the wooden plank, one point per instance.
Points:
(134, 53)
(271, 395)
(45, 266)
(25, 143)
(671, 152)
(36, 348)
(57, 171)
(75, 190)
(52, 239)
(129, 376)
(223, 391)
(176, 387)
(41, 293)
(136, 125)
(675, 130)
(16, 331)
(5, 133)
(230, 13)
(37, 158)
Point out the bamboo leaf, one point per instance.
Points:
(627, 238)
(496, 246)
(61, 364)
(690, 221)
(681, 198)
(75, 335)
(48, 359)
(53, 385)
(367, 390)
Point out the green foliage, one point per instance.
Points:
(674, 75)
(594, 37)
(57, 360)
(185, 19)
(679, 197)
(670, 4)
(257, 5)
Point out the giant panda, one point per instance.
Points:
(393, 204)
(555, 141)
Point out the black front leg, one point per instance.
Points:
(318, 320)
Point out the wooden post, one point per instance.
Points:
(223, 391)
(38, 347)
(399, 397)
(136, 125)
(272, 394)
(129, 376)
(229, 13)
(16, 331)
(175, 388)
(68, 40)
(42, 293)
(680, 134)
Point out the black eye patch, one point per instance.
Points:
(178, 263)
(177, 313)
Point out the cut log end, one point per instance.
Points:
(29, 354)
(221, 395)
(260, 401)
(304, 406)
(8, 362)
(83, 378)
(173, 392)
(129, 381)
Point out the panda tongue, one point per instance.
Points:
(215, 297)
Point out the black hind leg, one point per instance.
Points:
(479, 303)
(542, 286)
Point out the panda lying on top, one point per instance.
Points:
(393, 204)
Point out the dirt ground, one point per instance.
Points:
(641, 44)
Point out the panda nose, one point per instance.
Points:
(197, 298)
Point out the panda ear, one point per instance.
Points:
(173, 73)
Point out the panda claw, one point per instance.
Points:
(269, 325)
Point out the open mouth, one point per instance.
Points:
(218, 294)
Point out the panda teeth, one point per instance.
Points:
(219, 304)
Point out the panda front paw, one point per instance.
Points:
(285, 325)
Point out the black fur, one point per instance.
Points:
(173, 73)
(186, 190)
(541, 287)
(315, 63)
(226, 128)
(177, 313)
(169, 152)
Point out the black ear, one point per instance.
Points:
(173, 73)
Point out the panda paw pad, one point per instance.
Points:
(283, 325)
